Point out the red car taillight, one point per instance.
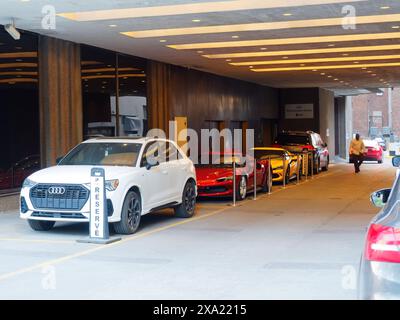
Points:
(383, 244)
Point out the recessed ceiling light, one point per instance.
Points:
(196, 20)
(329, 76)
(336, 79)
(287, 14)
(315, 70)
(228, 60)
(369, 71)
(251, 67)
(385, 7)
(364, 68)
(285, 57)
(323, 73)
(395, 27)
(356, 62)
(235, 37)
(263, 49)
(331, 45)
(302, 52)
(163, 40)
(143, 81)
(302, 64)
(200, 51)
(112, 25)
(286, 41)
(186, 8)
(345, 54)
(374, 74)
(25, 0)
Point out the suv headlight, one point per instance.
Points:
(225, 179)
(111, 185)
(28, 183)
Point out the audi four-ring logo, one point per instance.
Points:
(56, 190)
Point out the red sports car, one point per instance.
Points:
(216, 180)
(373, 151)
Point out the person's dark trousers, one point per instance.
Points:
(358, 160)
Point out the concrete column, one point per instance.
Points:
(327, 119)
(60, 98)
(349, 123)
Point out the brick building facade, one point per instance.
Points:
(371, 111)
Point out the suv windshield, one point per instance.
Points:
(294, 139)
(103, 154)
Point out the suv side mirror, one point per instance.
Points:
(151, 165)
(380, 197)
(396, 161)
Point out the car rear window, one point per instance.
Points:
(371, 143)
(292, 139)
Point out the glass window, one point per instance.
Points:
(19, 121)
(114, 93)
(132, 96)
(292, 139)
(154, 152)
(98, 88)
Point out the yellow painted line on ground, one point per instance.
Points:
(98, 248)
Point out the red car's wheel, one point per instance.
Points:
(241, 191)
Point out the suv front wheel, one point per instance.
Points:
(187, 207)
(41, 225)
(130, 214)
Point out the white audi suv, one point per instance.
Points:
(142, 175)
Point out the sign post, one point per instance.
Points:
(98, 221)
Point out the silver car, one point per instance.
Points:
(379, 273)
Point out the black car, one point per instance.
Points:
(379, 272)
(303, 141)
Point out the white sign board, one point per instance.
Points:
(97, 205)
(299, 111)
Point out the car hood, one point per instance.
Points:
(76, 174)
(275, 163)
(212, 173)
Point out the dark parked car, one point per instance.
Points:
(299, 141)
(14, 176)
(379, 273)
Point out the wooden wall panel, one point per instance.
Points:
(203, 96)
(299, 96)
(60, 97)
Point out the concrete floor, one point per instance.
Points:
(303, 242)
